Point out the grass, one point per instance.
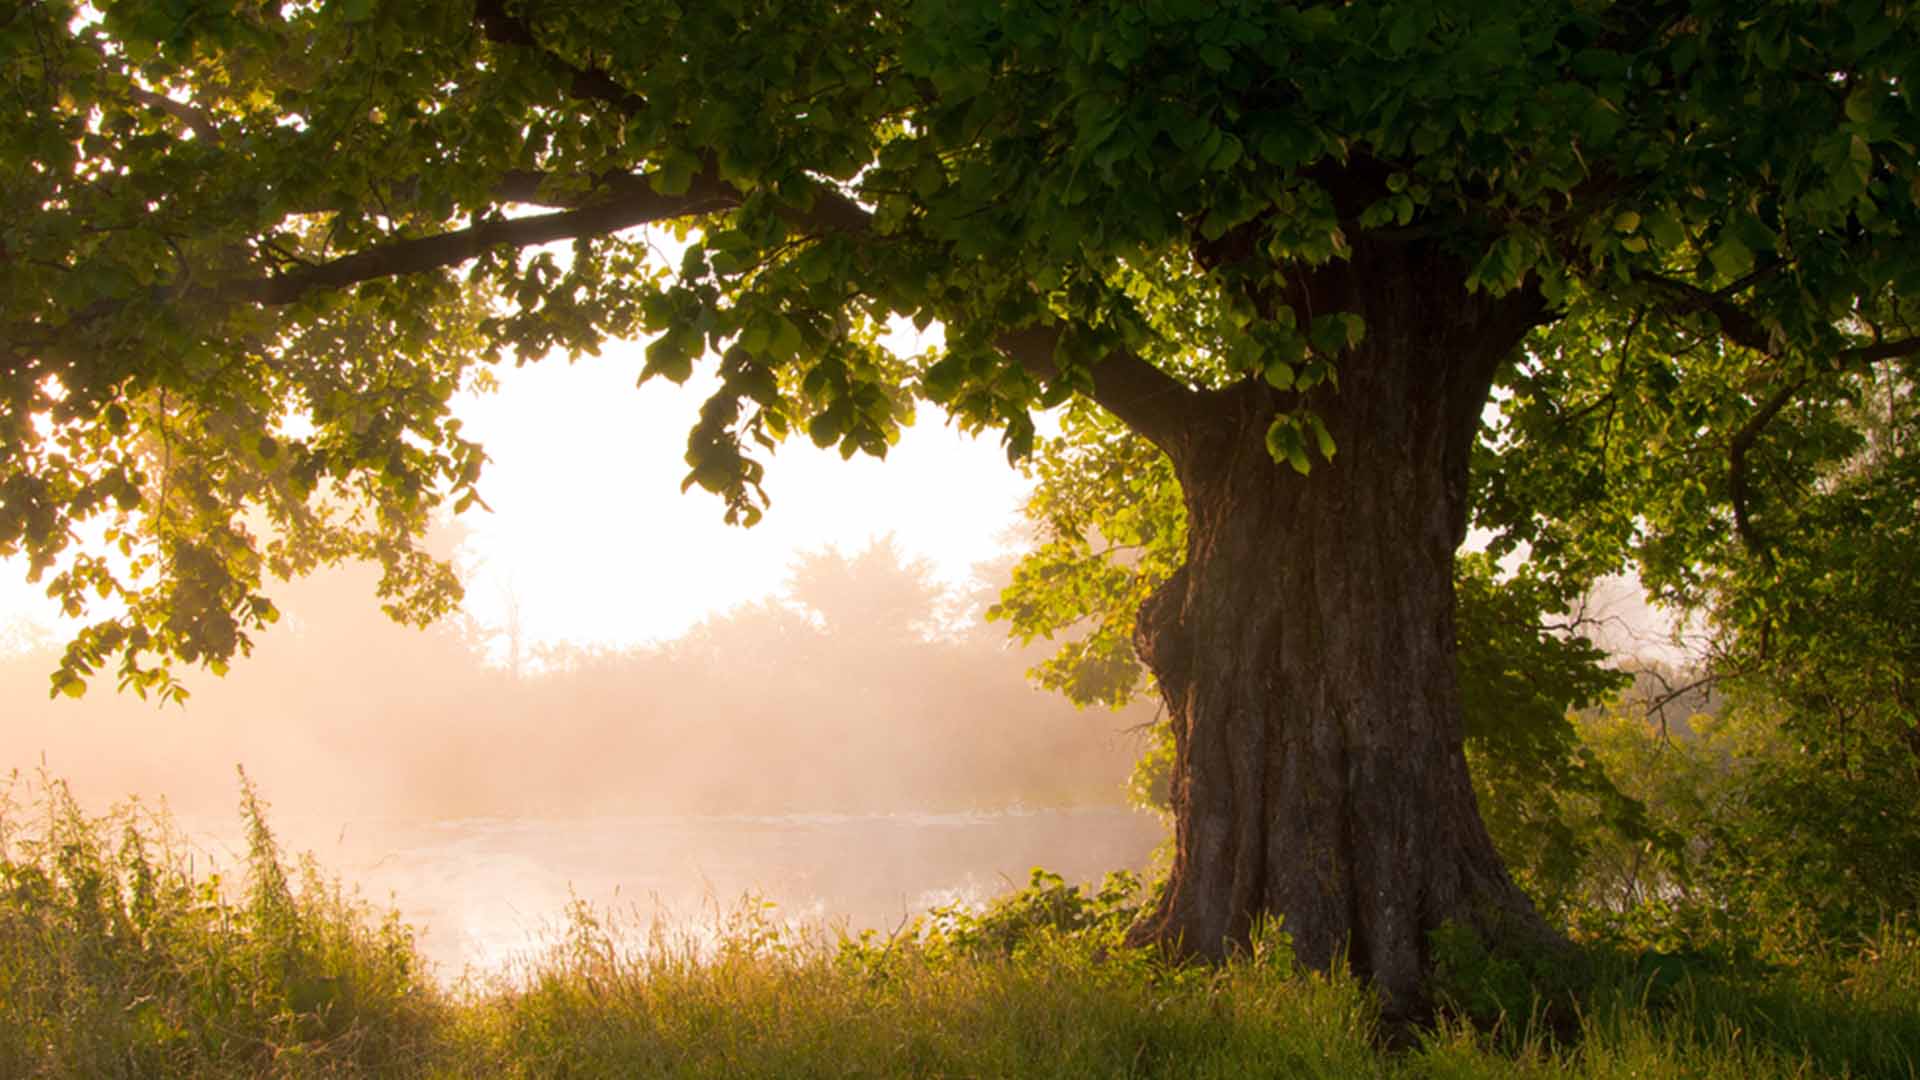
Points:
(115, 960)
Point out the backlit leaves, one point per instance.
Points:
(1160, 179)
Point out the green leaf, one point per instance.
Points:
(670, 355)
(1322, 437)
(1730, 257)
(928, 178)
(1599, 65)
(1286, 444)
(1338, 332)
(1666, 229)
(756, 336)
(787, 341)
(1860, 103)
(1226, 156)
(825, 428)
(675, 175)
(1405, 30)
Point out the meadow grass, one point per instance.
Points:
(116, 960)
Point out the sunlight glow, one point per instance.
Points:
(591, 538)
(592, 543)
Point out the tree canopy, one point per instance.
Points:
(254, 247)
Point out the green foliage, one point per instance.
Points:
(267, 244)
(1820, 854)
(1520, 682)
(1752, 851)
(116, 960)
(1047, 907)
(1113, 528)
(1494, 981)
(1786, 853)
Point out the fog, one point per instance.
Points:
(860, 736)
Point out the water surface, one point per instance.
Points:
(487, 892)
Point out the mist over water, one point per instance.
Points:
(854, 752)
(485, 892)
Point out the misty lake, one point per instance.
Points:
(485, 892)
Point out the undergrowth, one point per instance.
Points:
(117, 960)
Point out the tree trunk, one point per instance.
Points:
(1306, 651)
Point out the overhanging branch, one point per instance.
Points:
(634, 205)
(1140, 394)
(624, 201)
(1134, 390)
(1737, 451)
(1736, 324)
(505, 28)
(196, 120)
(1145, 398)
(1743, 329)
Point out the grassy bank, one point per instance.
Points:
(117, 960)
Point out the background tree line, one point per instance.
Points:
(869, 686)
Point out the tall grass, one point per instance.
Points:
(115, 960)
(767, 1002)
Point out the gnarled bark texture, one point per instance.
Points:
(1306, 649)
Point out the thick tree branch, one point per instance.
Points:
(501, 27)
(1879, 351)
(1743, 329)
(634, 204)
(1746, 331)
(1737, 450)
(1145, 398)
(1736, 324)
(1141, 395)
(195, 119)
(623, 201)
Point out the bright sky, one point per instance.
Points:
(593, 538)
(591, 534)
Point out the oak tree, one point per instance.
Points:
(251, 249)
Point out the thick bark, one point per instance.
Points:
(1306, 649)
